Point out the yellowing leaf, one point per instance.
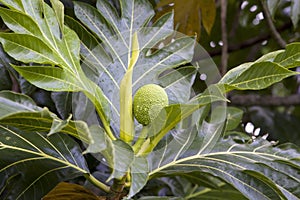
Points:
(190, 14)
(208, 13)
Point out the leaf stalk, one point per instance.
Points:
(97, 183)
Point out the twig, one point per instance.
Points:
(264, 100)
(244, 44)
(271, 25)
(224, 55)
(15, 84)
(235, 23)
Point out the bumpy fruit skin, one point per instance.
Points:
(148, 102)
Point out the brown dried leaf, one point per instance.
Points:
(190, 14)
(64, 191)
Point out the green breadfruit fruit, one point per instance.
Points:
(148, 102)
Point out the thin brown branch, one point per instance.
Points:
(224, 55)
(235, 24)
(274, 32)
(15, 84)
(250, 42)
(264, 100)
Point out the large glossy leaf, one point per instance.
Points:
(178, 83)
(119, 39)
(190, 186)
(40, 36)
(20, 111)
(258, 170)
(19, 22)
(32, 164)
(178, 186)
(27, 48)
(53, 78)
(117, 35)
(89, 47)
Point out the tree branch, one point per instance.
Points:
(235, 23)
(264, 100)
(250, 42)
(244, 44)
(224, 56)
(271, 25)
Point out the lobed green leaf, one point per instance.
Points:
(32, 164)
(18, 110)
(258, 170)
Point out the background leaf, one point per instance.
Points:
(272, 5)
(234, 117)
(295, 12)
(279, 126)
(5, 73)
(251, 76)
(63, 103)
